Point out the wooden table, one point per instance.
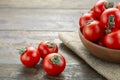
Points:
(28, 22)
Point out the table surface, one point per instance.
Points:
(28, 22)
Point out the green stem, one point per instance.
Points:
(109, 4)
(111, 24)
(88, 22)
(52, 45)
(107, 31)
(21, 51)
(111, 21)
(56, 59)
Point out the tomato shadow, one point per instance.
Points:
(58, 77)
(71, 57)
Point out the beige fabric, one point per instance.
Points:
(111, 71)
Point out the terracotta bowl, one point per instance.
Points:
(101, 52)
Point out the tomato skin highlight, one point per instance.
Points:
(51, 68)
(47, 47)
(30, 57)
(107, 13)
(93, 32)
(112, 40)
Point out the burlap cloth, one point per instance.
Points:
(111, 71)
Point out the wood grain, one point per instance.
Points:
(49, 4)
(19, 72)
(35, 19)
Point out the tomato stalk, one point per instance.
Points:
(111, 23)
(21, 51)
(56, 59)
(109, 4)
(52, 45)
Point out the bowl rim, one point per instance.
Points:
(102, 47)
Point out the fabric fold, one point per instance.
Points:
(111, 71)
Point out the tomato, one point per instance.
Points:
(54, 64)
(118, 6)
(110, 18)
(47, 47)
(92, 13)
(112, 40)
(85, 19)
(93, 31)
(100, 6)
(29, 56)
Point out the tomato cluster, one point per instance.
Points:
(53, 62)
(101, 24)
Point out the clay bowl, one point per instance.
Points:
(101, 52)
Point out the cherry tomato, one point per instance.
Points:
(47, 47)
(85, 19)
(112, 40)
(92, 13)
(110, 18)
(29, 56)
(54, 64)
(93, 31)
(118, 6)
(100, 6)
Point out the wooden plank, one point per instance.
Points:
(54, 4)
(49, 4)
(71, 72)
(40, 19)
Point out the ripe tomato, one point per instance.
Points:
(110, 18)
(29, 56)
(93, 31)
(54, 64)
(118, 6)
(100, 6)
(47, 47)
(92, 13)
(112, 40)
(85, 19)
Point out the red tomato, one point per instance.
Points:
(29, 56)
(47, 47)
(100, 6)
(93, 31)
(92, 13)
(54, 64)
(118, 6)
(112, 40)
(110, 18)
(85, 19)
